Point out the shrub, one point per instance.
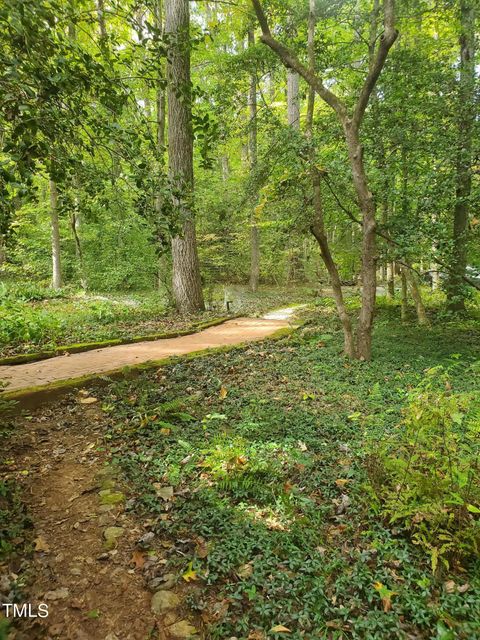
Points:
(425, 476)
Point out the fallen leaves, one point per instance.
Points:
(166, 493)
(223, 393)
(385, 595)
(190, 574)
(41, 545)
(138, 559)
(279, 628)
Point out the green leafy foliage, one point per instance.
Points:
(426, 473)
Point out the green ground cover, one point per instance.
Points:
(268, 451)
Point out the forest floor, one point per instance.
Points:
(226, 497)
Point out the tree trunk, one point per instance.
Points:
(318, 226)
(252, 148)
(391, 280)
(417, 297)
(56, 264)
(100, 5)
(3, 255)
(369, 272)
(293, 100)
(186, 280)
(467, 112)
(404, 296)
(318, 230)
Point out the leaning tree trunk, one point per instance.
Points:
(318, 226)
(417, 297)
(467, 113)
(252, 148)
(56, 264)
(186, 280)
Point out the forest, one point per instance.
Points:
(239, 319)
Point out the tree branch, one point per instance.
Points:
(291, 61)
(387, 39)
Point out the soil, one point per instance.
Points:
(94, 590)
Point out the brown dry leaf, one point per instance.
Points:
(138, 559)
(341, 482)
(279, 628)
(41, 544)
(163, 492)
(89, 400)
(463, 587)
(241, 460)
(245, 571)
(450, 586)
(165, 431)
(256, 635)
(223, 392)
(201, 547)
(190, 574)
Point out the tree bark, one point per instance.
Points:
(252, 148)
(391, 280)
(186, 280)
(404, 296)
(100, 5)
(56, 262)
(293, 100)
(467, 112)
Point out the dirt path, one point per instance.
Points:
(95, 566)
(35, 374)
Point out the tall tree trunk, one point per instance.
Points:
(164, 274)
(318, 226)
(467, 112)
(252, 148)
(100, 6)
(369, 225)
(404, 295)
(56, 263)
(293, 100)
(390, 280)
(3, 253)
(186, 280)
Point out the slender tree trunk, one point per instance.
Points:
(404, 296)
(164, 274)
(3, 254)
(100, 5)
(369, 271)
(467, 113)
(56, 264)
(417, 297)
(252, 147)
(318, 226)
(225, 165)
(186, 280)
(390, 280)
(293, 100)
